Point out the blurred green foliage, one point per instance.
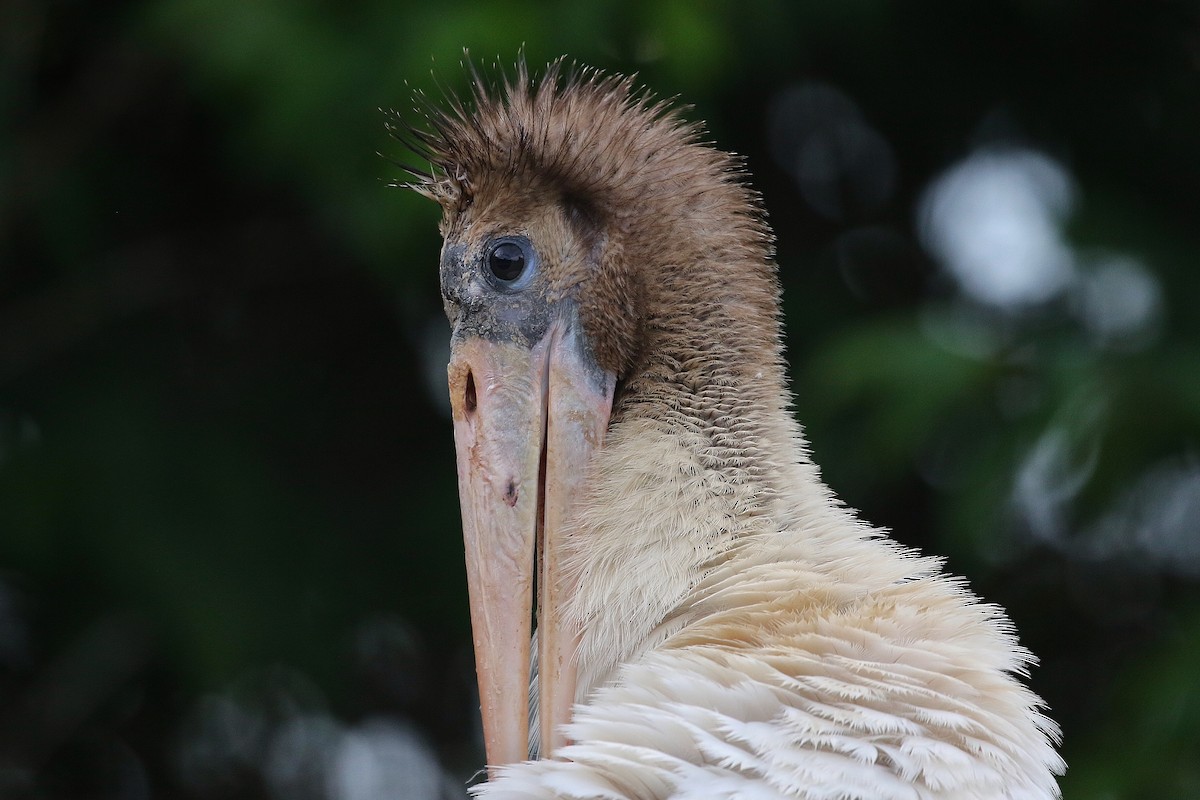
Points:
(222, 445)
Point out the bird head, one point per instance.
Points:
(583, 226)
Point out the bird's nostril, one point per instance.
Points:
(469, 401)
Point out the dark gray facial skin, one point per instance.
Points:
(477, 304)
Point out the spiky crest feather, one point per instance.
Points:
(591, 135)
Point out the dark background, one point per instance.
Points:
(230, 563)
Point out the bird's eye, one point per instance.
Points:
(508, 260)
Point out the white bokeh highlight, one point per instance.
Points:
(994, 222)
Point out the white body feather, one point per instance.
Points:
(814, 659)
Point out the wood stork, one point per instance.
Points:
(711, 621)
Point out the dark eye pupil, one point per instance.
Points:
(506, 261)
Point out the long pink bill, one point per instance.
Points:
(514, 406)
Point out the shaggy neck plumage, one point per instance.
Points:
(691, 465)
